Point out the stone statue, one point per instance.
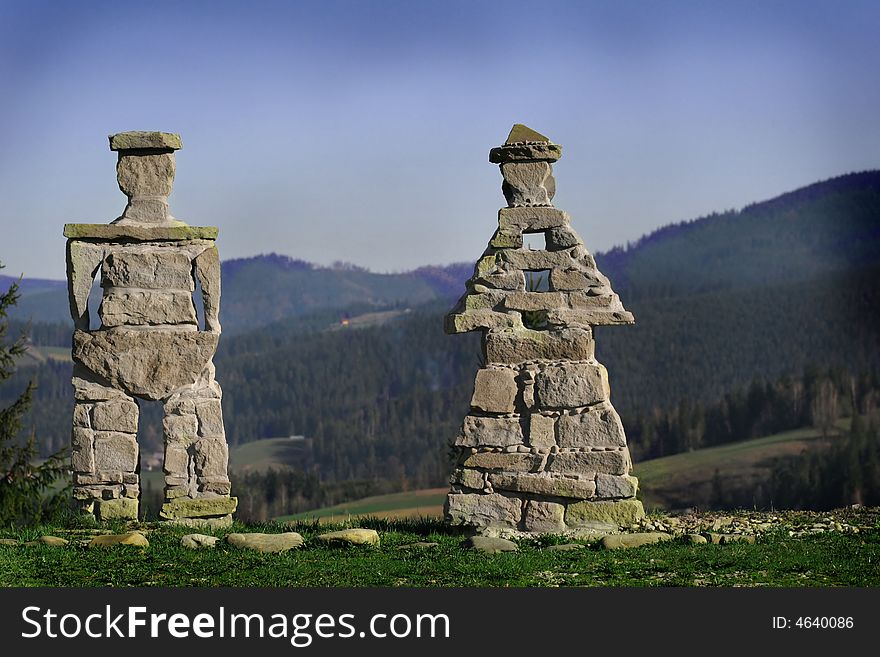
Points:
(149, 346)
(543, 449)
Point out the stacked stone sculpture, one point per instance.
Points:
(149, 346)
(543, 449)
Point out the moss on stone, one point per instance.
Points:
(485, 265)
(117, 232)
(621, 512)
(186, 507)
(123, 508)
(140, 140)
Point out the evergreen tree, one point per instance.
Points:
(824, 409)
(25, 486)
(717, 500)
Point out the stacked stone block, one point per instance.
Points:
(542, 449)
(149, 346)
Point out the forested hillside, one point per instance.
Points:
(264, 289)
(730, 309)
(828, 226)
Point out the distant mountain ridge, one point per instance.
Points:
(722, 301)
(31, 285)
(264, 289)
(825, 227)
(828, 226)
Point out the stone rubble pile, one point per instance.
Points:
(543, 449)
(149, 346)
(714, 526)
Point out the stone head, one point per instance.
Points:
(145, 172)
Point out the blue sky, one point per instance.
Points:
(359, 131)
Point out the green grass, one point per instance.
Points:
(256, 455)
(35, 354)
(677, 481)
(154, 478)
(367, 320)
(56, 353)
(830, 559)
(389, 504)
(265, 453)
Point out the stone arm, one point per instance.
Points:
(83, 261)
(207, 271)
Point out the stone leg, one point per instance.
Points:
(104, 456)
(197, 484)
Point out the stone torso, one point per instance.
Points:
(149, 285)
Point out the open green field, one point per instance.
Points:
(775, 559)
(256, 455)
(367, 320)
(672, 482)
(40, 354)
(266, 453)
(681, 480)
(426, 503)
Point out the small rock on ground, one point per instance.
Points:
(727, 539)
(599, 526)
(489, 545)
(196, 541)
(266, 542)
(695, 539)
(351, 537)
(130, 538)
(202, 523)
(589, 535)
(418, 545)
(565, 547)
(624, 541)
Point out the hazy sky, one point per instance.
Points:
(359, 130)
